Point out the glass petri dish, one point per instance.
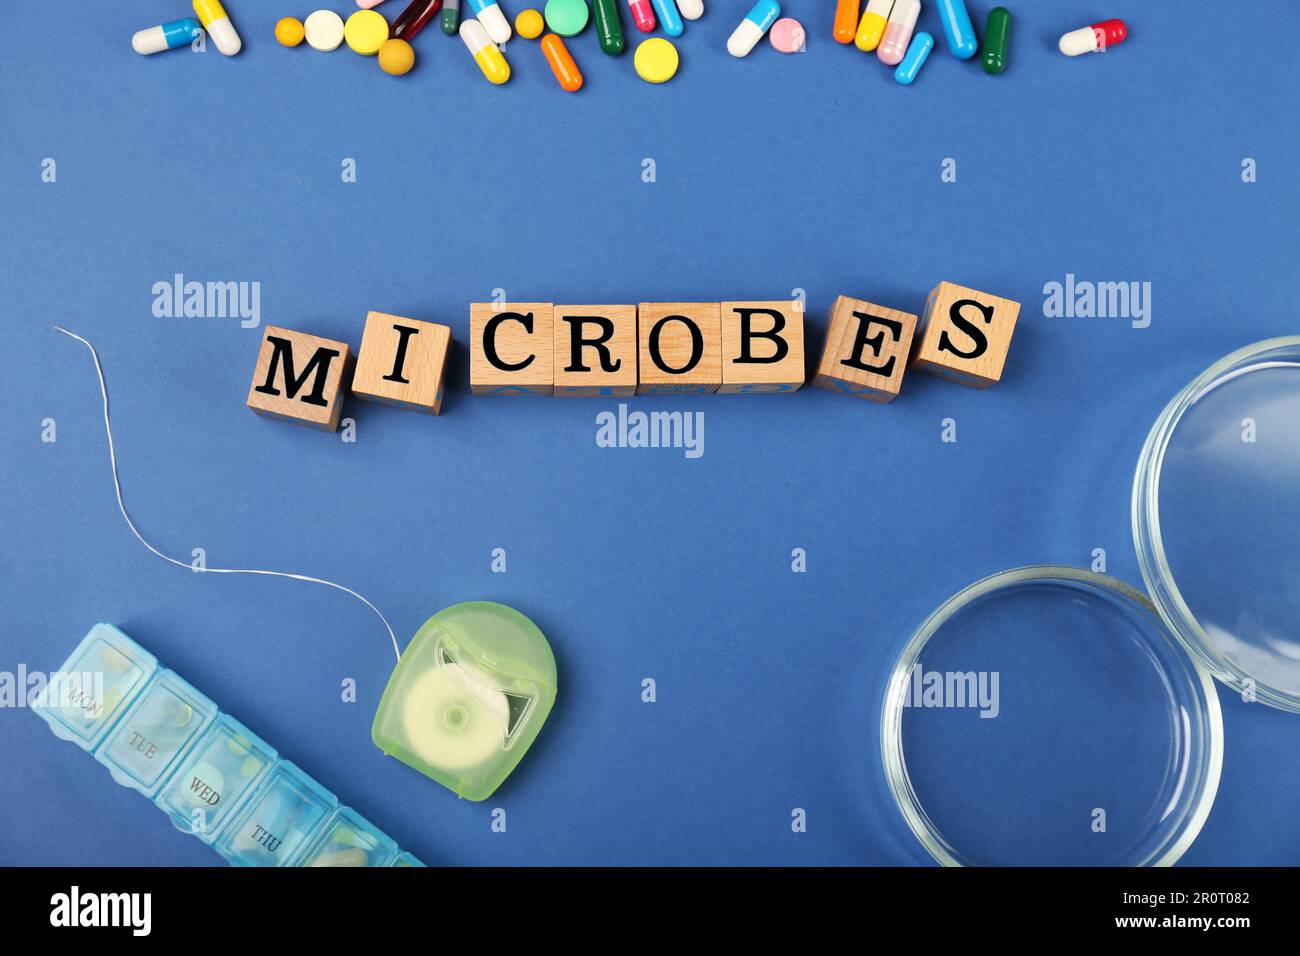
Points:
(1046, 716)
(1216, 519)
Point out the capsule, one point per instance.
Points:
(166, 37)
(997, 34)
(957, 29)
(760, 17)
(562, 64)
(898, 32)
(414, 18)
(494, 21)
(450, 21)
(669, 18)
(486, 55)
(643, 15)
(691, 9)
(609, 26)
(918, 51)
(846, 20)
(872, 26)
(213, 17)
(1094, 39)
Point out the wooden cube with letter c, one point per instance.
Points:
(511, 348)
(967, 335)
(762, 347)
(680, 347)
(866, 348)
(299, 378)
(595, 350)
(402, 362)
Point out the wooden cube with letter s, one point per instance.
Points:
(967, 335)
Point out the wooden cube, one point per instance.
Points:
(866, 348)
(680, 347)
(595, 350)
(299, 378)
(967, 335)
(762, 346)
(402, 362)
(511, 348)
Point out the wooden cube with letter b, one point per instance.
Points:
(866, 348)
(762, 346)
(595, 350)
(300, 378)
(402, 362)
(967, 335)
(680, 347)
(511, 348)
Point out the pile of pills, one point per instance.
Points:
(887, 28)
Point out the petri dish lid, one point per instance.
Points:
(1046, 716)
(1216, 519)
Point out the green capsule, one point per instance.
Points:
(996, 35)
(609, 26)
(450, 17)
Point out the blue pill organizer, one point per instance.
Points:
(213, 777)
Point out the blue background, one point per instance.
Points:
(773, 173)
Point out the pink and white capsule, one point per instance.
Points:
(898, 31)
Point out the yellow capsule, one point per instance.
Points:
(872, 27)
(487, 56)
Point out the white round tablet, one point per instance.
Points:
(324, 30)
(454, 721)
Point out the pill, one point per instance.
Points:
(957, 29)
(609, 26)
(1094, 39)
(562, 65)
(493, 20)
(872, 26)
(751, 29)
(568, 18)
(289, 31)
(691, 9)
(365, 32)
(669, 18)
(396, 57)
(918, 51)
(846, 20)
(324, 30)
(368, 4)
(415, 18)
(997, 33)
(655, 60)
(488, 57)
(450, 17)
(166, 37)
(214, 19)
(643, 15)
(787, 36)
(898, 31)
(529, 24)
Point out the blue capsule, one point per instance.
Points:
(957, 29)
(918, 51)
(166, 37)
(669, 17)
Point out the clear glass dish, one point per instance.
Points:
(1046, 716)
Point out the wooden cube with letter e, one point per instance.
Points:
(511, 348)
(402, 362)
(967, 335)
(300, 378)
(762, 347)
(866, 350)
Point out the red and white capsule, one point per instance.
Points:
(1094, 39)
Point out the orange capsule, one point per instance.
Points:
(846, 20)
(562, 65)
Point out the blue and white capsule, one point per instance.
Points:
(488, 13)
(918, 51)
(166, 37)
(957, 29)
(757, 21)
(669, 16)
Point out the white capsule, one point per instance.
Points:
(898, 31)
(214, 20)
(1079, 41)
(691, 9)
(760, 16)
(494, 22)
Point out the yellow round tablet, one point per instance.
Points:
(529, 24)
(289, 31)
(655, 60)
(365, 32)
(396, 57)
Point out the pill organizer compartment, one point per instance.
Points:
(165, 719)
(349, 839)
(405, 859)
(213, 779)
(95, 685)
(278, 822)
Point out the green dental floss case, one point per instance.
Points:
(468, 697)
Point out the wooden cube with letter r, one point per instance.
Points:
(300, 378)
(967, 335)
